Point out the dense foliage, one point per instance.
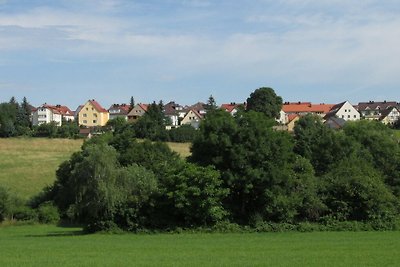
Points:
(241, 172)
(15, 118)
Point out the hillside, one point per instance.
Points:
(27, 165)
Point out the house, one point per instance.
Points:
(174, 111)
(138, 111)
(46, 114)
(345, 111)
(49, 113)
(92, 114)
(335, 123)
(283, 117)
(192, 118)
(200, 107)
(372, 110)
(304, 108)
(231, 108)
(119, 111)
(292, 119)
(390, 115)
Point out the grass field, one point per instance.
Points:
(54, 246)
(27, 165)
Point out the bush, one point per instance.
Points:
(48, 213)
(184, 133)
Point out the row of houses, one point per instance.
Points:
(92, 114)
(336, 115)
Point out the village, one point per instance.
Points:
(93, 114)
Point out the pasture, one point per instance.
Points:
(27, 165)
(42, 245)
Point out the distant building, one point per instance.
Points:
(372, 110)
(390, 115)
(192, 118)
(92, 114)
(119, 111)
(49, 113)
(138, 111)
(345, 111)
(174, 111)
(232, 108)
(304, 108)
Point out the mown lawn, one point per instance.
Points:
(54, 246)
(27, 165)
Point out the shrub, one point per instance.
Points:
(48, 213)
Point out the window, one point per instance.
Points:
(85, 115)
(94, 121)
(95, 115)
(355, 116)
(342, 116)
(348, 116)
(84, 121)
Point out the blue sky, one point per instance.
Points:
(69, 51)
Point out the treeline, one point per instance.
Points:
(15, 120)
(152, 126)
(242, 173)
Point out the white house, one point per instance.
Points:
(390, 115)
(345, 111)
(46, 114)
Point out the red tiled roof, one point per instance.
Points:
(306, 107)
(97, 106)
(229, 107)
(143, 106)
(292, 117)
(58, 109)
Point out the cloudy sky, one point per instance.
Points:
(68, 51)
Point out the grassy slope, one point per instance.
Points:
(27, 165)
(53, 246)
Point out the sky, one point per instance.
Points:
(323, 51)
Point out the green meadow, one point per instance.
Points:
(27, 165)
(43, 245)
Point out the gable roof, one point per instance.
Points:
(306, 107)
(59, 109)
(292, 117)
(229, 107)
(386, 112)
(195, 112)
(123, 108)
(97, 106)
(170, 108)
(335, 123)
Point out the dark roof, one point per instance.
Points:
(335, 123)
(372, 105)
(170, 108)
(386, 112)
(123, 109)
(334, 109)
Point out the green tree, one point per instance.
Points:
(378, 141)
(354, 190)
(132, 103)
(152, 124)
(322, 145)
(266, 101)
(211, 104)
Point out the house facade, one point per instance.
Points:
(119, 111)
(345, 111)
(138, 111)
(192, 118)
(373, 110)
(50, 113)
(173, 112)
(390, 115)
(92, 114)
